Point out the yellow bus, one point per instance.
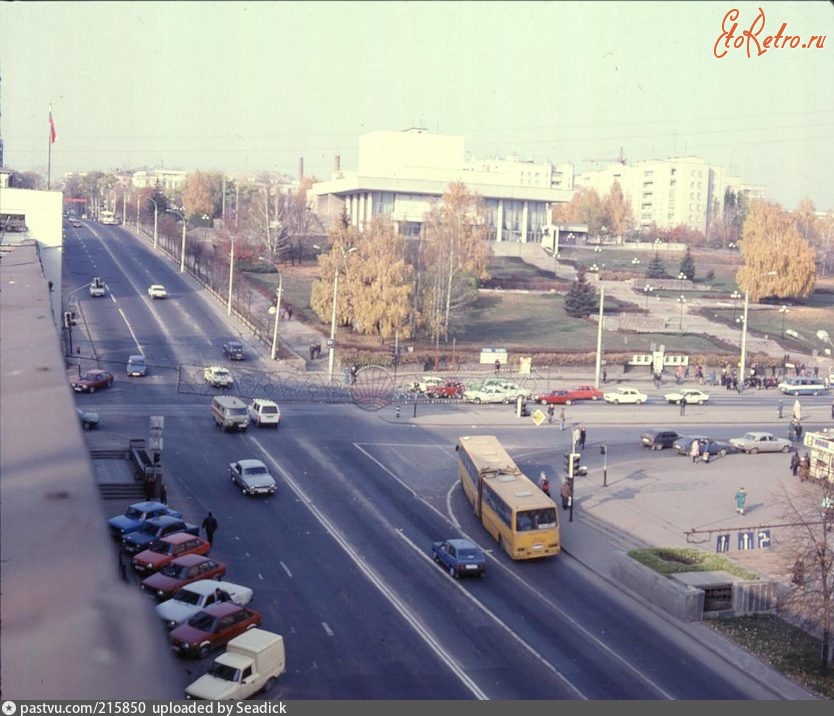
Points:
(511, 507)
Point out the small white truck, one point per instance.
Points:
(251, 663)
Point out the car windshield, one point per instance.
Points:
(160, 547)
(90, 376)
(467, 553)
(174, 570)
(255, 470)
(202, 621)
(134, 514)
(541, 519)
(222, 372)
(238, 411)
(188, 597)
(225, 672)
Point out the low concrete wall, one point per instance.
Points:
(754, 597)
(682, 602)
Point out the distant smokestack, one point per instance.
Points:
(301, 167)
(337, 163)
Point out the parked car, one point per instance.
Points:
(687, 395)
(252, 477)
(625, 395)
(659, 439)
(166, 550)
(423, 384)
(756, 442)
(554, 397)
(585, 392)
(683, 444)
(136, 366)
(179, 572)
(211, 628)
(233, 350)
(447, 389)
(459, 557)
(136, 515)
(154, 529)
(218, 377)
(486, 394)
(157, 290)
(92, 381)
(192, 598)
(264, 412)
(88, 418)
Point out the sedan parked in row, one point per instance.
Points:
(585, 392)
(756, 442)
(658, 439)
(196, 596)
(626, 396)
(166, 550)
(154, 529)
(181, 571)
(136, 515)
(447, 389)
(705, 445)
(92, 381)
(554, 397)
(687, 395)
(211, 628)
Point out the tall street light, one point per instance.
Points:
(278, 292)
(332, 342)
(743, 362)
(231, 275)
(184, 226)
(783, 310)
(155, 222)
(735, 295)
(647, 290)
(599, 336)
(682, 302)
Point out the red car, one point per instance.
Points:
(447, 389)
(585, 392)
(181, 571)
(92, 380)
(212, 627)
(554, 397)
(166, 550)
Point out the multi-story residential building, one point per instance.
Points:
(400, 175)
(673, 192)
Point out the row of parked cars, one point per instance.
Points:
(751, 443)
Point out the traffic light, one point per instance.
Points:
(69, 319)
(572, 464)
(603, 449)
(395, 355)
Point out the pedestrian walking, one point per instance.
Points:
(798, 429)
(163, 493)
(694, 451)
(575, 437)
(605, 380)
(497, 366)
(682, 402)
(794, 462)
(544, 484)
(797, 410)
(781, 405)
(210, 526)
(581, 437)
(562, 419)
(741, 498)
(551, 411)
(564, 493)
(791, 431)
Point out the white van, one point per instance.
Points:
(803, 385)
(230, 413)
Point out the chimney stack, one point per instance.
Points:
(301, 167)
(337, 163)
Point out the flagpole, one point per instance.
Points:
(49, 159)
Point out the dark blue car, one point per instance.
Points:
(155, 529)
(135, 515)
(460, 557)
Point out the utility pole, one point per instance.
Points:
(599, 336)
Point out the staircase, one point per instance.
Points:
(116, 478)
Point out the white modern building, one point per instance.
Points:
(400, 175)
(162, 179)
(673, 192)
(33, 215)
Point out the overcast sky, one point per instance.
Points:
(234, 86)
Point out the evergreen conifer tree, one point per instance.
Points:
(687, 267)
(581, 299)
(655, 269)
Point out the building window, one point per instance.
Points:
(382, 203)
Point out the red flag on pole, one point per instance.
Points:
(52, 134)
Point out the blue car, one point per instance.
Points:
(460, 557)
(154, 529)
(135, 515)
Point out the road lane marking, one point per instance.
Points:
(286, 568)
(130, 328)
(327, 629)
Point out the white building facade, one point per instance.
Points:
(682, 191)
(162, 179)
(400, 175)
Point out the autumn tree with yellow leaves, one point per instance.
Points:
(778, 262)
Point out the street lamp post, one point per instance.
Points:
(647, 290)
(331, 353)
(743, 361)
(682, 302)
(155, 223)
(184, 226)
(278, 292)
(599, 336)
(137, 213)
(682, 277)
(783, 310)
(231, 275)
(735, 295)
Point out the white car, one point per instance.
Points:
(252, 477)
(428, 381)
(264, 412)
(157, 290)
(192, 598)
(97, 287)
(626, 396)
(487, 394)
(687, 395)
(218, 377)
(757, 442)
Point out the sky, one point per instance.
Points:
(238, 86)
